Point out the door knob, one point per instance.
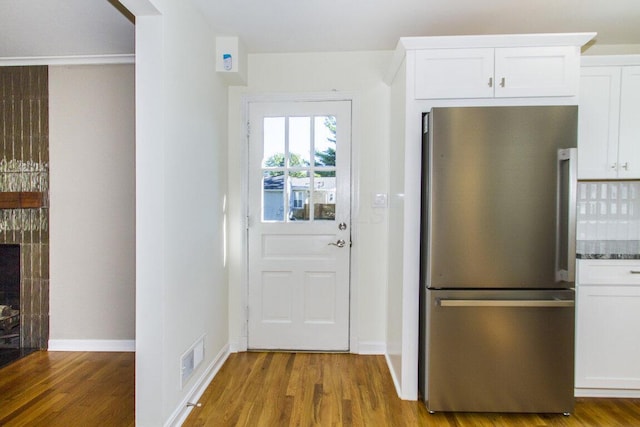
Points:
(340, 243)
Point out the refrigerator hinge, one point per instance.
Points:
(425, 123)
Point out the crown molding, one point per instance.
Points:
(69, 60)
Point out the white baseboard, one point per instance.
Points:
(237, 346)
(362, 347)
(195, 392)
(606, 392)
(372, 347)
(396, 383)
(92, 345)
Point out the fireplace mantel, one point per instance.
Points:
(22, 200)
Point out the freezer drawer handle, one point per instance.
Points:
(635, 271)
(504, 303)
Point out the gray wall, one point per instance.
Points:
(92, 207)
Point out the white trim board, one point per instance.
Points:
(372, 348)
(92, 345)
(396, 383)
(606, 392)
(609, 60)
(69, 60)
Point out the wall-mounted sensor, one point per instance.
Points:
(226, 62)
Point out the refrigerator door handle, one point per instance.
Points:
(566, 273)
(504, 303)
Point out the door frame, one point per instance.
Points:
(241, 343)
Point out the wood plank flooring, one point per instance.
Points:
(287, 389)
(68, 389)
(254, 389)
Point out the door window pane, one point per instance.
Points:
(325, 140)
(273, 142)
(299, 196)
(299, 141)
(324, 197)
(273, 196)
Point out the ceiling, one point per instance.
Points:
(31, 28)
(95, 27)
(327, 25)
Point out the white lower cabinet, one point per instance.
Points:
(608, 328)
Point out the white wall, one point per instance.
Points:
(92, 214)
(181, 183)
(394, 312)
(358, 73)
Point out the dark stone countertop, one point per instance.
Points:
(608, 249)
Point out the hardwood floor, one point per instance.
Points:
(68, 389)
(287, 389)
(254, 389)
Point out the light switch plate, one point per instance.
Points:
(379, 200)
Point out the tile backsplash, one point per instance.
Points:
(608, 210)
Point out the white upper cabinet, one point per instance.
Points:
(509, 72)
(629, 141)
(609, 123)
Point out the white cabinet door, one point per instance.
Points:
(609, 125)
(629, 148)
(598, 115)
(537, 71)
(608, 325)
(607, 344)
(454, 73)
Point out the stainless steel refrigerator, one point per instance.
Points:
(497, 259)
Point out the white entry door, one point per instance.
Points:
(299, 225)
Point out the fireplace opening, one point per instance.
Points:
(9, 296)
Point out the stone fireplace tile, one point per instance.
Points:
(28, 227)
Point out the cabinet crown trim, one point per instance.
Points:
(605, 60)
(498, 40)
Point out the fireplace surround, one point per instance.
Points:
(24, 171)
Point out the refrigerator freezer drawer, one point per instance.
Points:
(500, 351)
